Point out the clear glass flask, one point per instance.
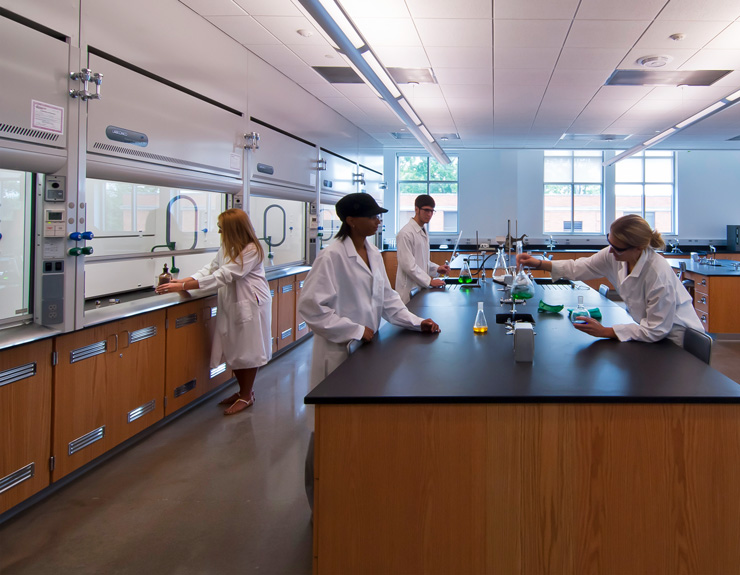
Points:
(465, 276)
(480, 325)
(522, 288)
(580, 313)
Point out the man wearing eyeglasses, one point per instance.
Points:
(415, 269)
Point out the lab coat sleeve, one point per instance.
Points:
(407, 263)
(230, 271)
(317, 305)
(395, 311)
(660, 315)
(432, 269)
(596, 266)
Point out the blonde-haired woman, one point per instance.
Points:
(244, 304)
(654, 296)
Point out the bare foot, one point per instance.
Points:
(229, 400)
(240, 405)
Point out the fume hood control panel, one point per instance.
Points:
(54, 224)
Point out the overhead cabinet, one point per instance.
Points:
(337, 177)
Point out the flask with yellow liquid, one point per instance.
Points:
(480, 325)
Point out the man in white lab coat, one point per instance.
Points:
(412, 243)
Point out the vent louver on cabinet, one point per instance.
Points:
(184, 388)
(157, 157)
(86, 440)
(88, 351)
(140, 411)
(218, 370)
(17, 477)
(214, 311)
(186, 320)
(142, 334)
(17, 373)
(18, 131)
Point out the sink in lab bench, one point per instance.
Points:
(504, 317)
(550, 282)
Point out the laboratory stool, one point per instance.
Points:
(698, 344)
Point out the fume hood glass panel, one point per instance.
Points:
(15, 245)
(281, 227)
(330, 223)
(135, 218)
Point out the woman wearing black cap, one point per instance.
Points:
(347, 290)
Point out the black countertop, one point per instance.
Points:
(458, 366)
(719, 267)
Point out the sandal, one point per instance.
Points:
(230, 400)
(237, 408)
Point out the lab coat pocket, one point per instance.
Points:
(243, 311)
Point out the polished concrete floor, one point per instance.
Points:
(206, 494)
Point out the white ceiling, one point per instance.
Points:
(513, 73)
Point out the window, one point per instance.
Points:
(424, 175)
(644, 184)
(15, 247)
(574, 190)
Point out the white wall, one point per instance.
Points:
(498, 185)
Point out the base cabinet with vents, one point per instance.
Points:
(25, 421)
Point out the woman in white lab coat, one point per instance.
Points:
(654, 296)
(347, 290)
(244, 304)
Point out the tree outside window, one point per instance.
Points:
(424, 175)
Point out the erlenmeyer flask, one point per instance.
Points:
(465, 276)
(500, 267)
(480, 325)
(580, 313)
(522, 288)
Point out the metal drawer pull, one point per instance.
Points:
(300, 285)
(142, 334)
(17, 373)
(218, 370)
(302, 326)
(87, 439)
(703, 300)
(704, 282)
(286, 333)
(10, 481)
(184, 388)
(88, 351)
(287, 288)
(142, 410)
(704, 319)
(186, 320)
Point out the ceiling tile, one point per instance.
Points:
(522, 58)
(455, 32)
(530, 33)
(322, 90)
(353, 91)
(301, 74)
(697, 34)
(590, 58)
(418, 91)
(452, 56)
(622, 10)
(277, 56)
(587, 79)
(244, 29)
(214, 7)
(317, 55)
(385, 8)
(402, 56)
(727, 10)
(467, 91)
(388, 31)
(442, 8)
(463, 75)
(605, 33)
(713, 60)
(268, 7)
(728, 39)
(285, 29)
(628, 93)
(505, 77)
(535, 9)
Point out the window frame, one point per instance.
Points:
(427, 182)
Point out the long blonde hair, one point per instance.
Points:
(237, 233)
(635, 232)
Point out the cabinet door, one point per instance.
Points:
(25, 421)
(138, 368)
(83, 383)
(219, 374)
(188, 351)
(390, 260)
(274, 322)
(301, 329)
(286, 311)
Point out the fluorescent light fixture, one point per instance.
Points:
(336, 24)
(721, 104)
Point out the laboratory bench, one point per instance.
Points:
(441, 453)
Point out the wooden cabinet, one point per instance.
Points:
(714, 302)
(274, 322)
(301, 328)
(390, 260)
(25, 421)
(107, 387)
(220, 374)
(286, 312)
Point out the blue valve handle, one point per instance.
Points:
(80, 236)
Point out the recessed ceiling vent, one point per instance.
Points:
(440, 137)
(599, 137)
(665, 78)
(653, 61)
(342, 75)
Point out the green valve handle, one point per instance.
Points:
(75, 251)
(87, 250)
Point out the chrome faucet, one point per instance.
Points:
(713, 252)
(551, 243)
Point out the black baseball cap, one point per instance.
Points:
(358, 206)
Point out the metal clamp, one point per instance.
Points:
(252, 141)
(86, 75)
(320, 165)
(359, 177)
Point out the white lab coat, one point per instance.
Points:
(414, 267)
(243, 337)
(654, 296)
(341, 296)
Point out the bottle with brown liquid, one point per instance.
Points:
(165, 277)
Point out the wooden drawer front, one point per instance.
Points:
(701, 283)
(704, 318)
(701, 301)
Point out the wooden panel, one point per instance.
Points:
(440, 258)
(25, 421)
(701, 301)
(300, 330)
(286, 312)
(390, 259)
(724, 309)
(401, 489)
(274, 323)
(138, 370)
(188, 351)
(81, 394)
